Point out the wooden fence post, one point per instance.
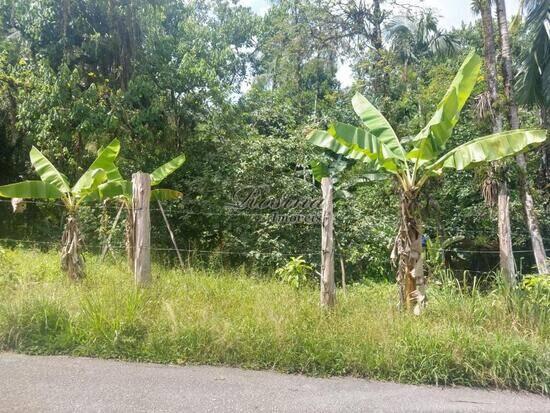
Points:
(328, 286)
(141, 195)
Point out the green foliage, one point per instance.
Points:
(55, 185)
(30, 190)
(436, 251)
(296, 272)
(236, 319)
(533, 79)
(236, 93)
(120, 188)
(379, 147)
(431, 140)
(488, 148)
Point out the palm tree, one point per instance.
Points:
(377, 145)
(494, 185)
(414, 37)
(533, 79)
(528, 204)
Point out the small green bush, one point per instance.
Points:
(297, 272)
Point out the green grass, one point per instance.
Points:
(239, 320)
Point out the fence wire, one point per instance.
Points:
(233, 212)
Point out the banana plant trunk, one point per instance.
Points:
(410, 273)
(129, 237)
(72, 261)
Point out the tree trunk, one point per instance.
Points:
(72, 262)
(527, 199)
(490, 62)
(496, 176)
(507, 263)
(408, 250)
(377, 18)
(545, 149)
(531, 218)
(328, 286)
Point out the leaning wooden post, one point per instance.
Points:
(107, 245)
(172, 237)
(328, 287)
(141, 195)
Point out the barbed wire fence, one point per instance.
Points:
(286, 219)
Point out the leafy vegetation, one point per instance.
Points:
(221, 84)
(465, 337)
(296, 272)
(54, 185)
(377, 145)
(88, 81)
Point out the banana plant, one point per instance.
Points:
(55, 185)
(121, 190)
(376, 144)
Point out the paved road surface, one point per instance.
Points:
(65, 384)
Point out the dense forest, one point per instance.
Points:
(238, 93)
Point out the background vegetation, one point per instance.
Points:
(237, 94)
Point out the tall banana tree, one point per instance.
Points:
(376, 144)
(121, 190)
(55, 185)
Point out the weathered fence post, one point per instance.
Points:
(141, 194)
(328, 287)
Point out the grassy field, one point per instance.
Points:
(237, 319)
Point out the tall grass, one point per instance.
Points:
(463, 338)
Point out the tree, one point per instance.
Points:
(495, 178)
(527, 198)
(415, 37)
(54, 185)
(533, 79)
(378, 146)
(355, 26)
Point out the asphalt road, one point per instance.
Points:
(65, 384)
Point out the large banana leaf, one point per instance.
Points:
(165, 195)
(350, 150)
(378, 125)
(361, 143)
(105, 161)
(159, 174)
(30, 189)
(113, 189)
(97, 177)
(48, 173)
(323, 139)
(488, 148)
(431, 140)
